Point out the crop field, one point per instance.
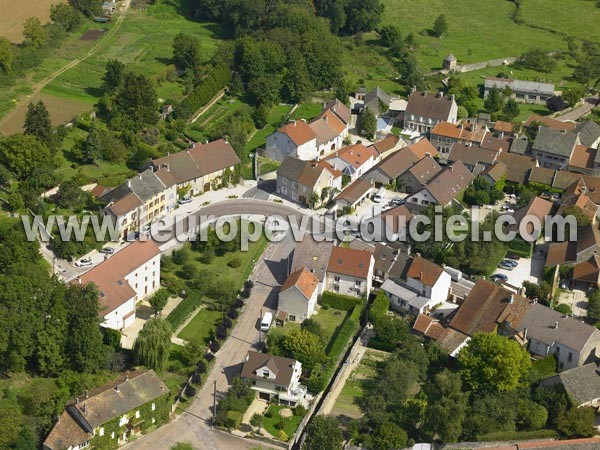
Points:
(144, 43)
(15, 12)
(479, 30)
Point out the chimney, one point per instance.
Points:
(128, 183)
(83, 408)
(451, 168)
(511, 299)
(140, 176)
(414, 88)
(452, 97)
(117, 388)
(420, 275)
(556, 325)
(525, 333)
(76, 400)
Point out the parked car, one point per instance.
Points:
(509, 262)
(397, 201)
(184, 200)
(513, 256)
(498, 278)
(505, 266)
(83, 262)
(107, 250)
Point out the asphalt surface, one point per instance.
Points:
(589, 103)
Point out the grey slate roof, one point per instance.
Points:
(540, 321)
(519, 85)
(313, 255)
(146, 185)
(373, 98)
(554, 142)
(450, 57)
(291, 168)
(519, 145)
(589, 132)
(426, 104)
(582, 383)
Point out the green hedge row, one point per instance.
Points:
(517, 435)
(380, 307)
(339, 301)
(204, 91)
(521, 247)
(184, 309)
(234, 419)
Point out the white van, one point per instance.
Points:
(265, 323)
(378, 196)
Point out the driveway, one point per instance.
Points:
(588, 104)
(528, 269)
(192, 425)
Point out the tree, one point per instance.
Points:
(153, 344)
(186, 53)
(296, 81)
(24, 156)
(577, 423)
(594, 305)
(88, 7)
(136, 102)
(312, 326)
(84, 346)
(159, 300)
(511, 109)
(323, 433)
(194, 349)
(556, 103)
(256, 420)
(494, 362)
(389, 34)
(368, 124)
(440, 26)
(113, 75)
(6, 55)
(26, 440)
(537, 59)
(575, 211)
(37, 122)
(33, 32)
(446, 407)
(70, 195)
(363, 16)
(494, 101)
(305, 347)
(588, 63)
(388, 436)
(572, 95)
(66, 16)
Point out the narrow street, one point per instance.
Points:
(192, 425)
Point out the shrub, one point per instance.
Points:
(234, 418)
(238, 303)
(227, 323)
(268, 414)
(204, 91)
(517, 435)
(248, 284)
(338, 301)
(282, 436)
(280, 425)
(184, 309)
(563, 308)
(209, 357)
(214, 346)
(201, 366)
(221, 332)
(299, 410)
(235, 263)
(232, 314)
(379, 308)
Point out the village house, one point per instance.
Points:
(557, 125)
(444, 135)
(377, 101)
(582, 384)
(449, 62)
(137, 202)
(588, 272)
(553, 149)
(445, 337)
(123, 279)
(424, 110)
(495, 173)
(421, 286)
(418, 175)
(537, 208)
(475, 158)
(302, 181)
(354, 194)
(353, 161)
(314, 256)
(298, 295)
(580, 200)
(274, 378)
(310, 141)
(518, 167)
(350, 272)
(443, 188)
(572, 252)
(388, 145)
(491, 308)
(111, 415)
(521, 91)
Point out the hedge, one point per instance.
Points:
(234, 418)
(338, 301)
(187, 306)
(517, 435)
(344, 333)
(521, 247)
(204, 91)
(380, 307)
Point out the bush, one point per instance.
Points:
(235, 263)
(234, 418)
(517, 435)
(221, 332)
(232, 314)
(379, 308)
(563, 308)
(280, 425)
(184, 309)
(344, 333)
(282, 436)
(209, 357)
(338, 301)
(204, 91)
(248, 284)
(238, 303)
(214, 346)
(227, 323)
(268, 414)
(201, 367)
(299, 410)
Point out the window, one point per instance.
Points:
(123, 420)
(336, 288)
(265, 374)
(570, 357)
(292, 318)
(357, 282)
(112, 435)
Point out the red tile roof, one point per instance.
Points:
(465, 131)
(583, 157)
(355, 155)
(303, 280)
(298, 131)
(214, 156)
(348, 261)
(425, 271)
(125, 204)
(422, 148)
(549, 122)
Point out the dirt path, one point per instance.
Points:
(36, 89)
(215, 99)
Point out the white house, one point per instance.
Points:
(424, 110)
(354, 160)
(295, 139)
(274, 377)
(350, 271)
(123, 279)
(298, 295)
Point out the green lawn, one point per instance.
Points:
(201, 326)
(277, 115)
(144, 43)
(267, 165)
(291, 423)
(307, 111)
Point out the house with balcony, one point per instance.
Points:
(350, 272)
(274, 378)
(111, 415)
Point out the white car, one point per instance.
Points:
(83, 262)
(184, 200)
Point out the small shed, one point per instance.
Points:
(449, 62)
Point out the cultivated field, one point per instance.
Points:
(14, 13)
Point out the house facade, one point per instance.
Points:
(445, 134)
(274, 377)
(112, 415)
(424, 110)
(123, 279)
(350, 272)
(521, 91)
(354, 160)
(553, 149)
(298, 295)
(298, 180)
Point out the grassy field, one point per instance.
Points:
(14, 13)
(144, 44)
(307, 111)
(346, 403)
(277, 115)
(291, 423)
(201, 326)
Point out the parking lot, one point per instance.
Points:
(527, 269)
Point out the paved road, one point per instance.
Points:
(589, 103)
(191, 426)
